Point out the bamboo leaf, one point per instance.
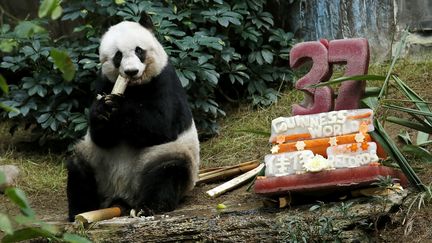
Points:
(422, 138)
(405, 137)
(343, 79)
(419, 152)
(399, 48)
(408, 110)
(381, 137)
(409, 93)
(371, 92)
(17, 196)
(5, 224)
(8, 108)
(27, 234)
(425, 143)
(408, 101)
(370, 102)
(420, 120)
(3, 85)
(410, 124)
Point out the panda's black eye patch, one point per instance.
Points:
(140, 53)
(117, 59)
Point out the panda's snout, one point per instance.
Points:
(131, 72)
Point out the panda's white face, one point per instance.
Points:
(132, 51)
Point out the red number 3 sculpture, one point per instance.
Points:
(353, 52)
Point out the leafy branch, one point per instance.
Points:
(26, 226)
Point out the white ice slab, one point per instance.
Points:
(347, 156)
(327, 124)
(287, 163)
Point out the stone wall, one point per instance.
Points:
(381, 22)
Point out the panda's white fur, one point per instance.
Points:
(114, 40)
(117, 179)
(104, 170)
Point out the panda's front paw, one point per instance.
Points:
(108, 106)
(113, 100)
(142, 212)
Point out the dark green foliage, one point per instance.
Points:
(221, 49)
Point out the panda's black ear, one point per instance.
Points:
(146, 21)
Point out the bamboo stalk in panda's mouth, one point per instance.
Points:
(120, 85)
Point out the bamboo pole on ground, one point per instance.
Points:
(98, 215)
(226, 172)
(227, 186)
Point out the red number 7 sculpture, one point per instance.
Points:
(353, 52)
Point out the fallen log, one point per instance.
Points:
(250, 222)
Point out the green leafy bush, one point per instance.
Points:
(221, 49)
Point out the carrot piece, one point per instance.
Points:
(294, 137)
(320, 145)
(360, 116)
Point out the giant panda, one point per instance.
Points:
(141, 150)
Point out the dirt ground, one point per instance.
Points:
(52, 207)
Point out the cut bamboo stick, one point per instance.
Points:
(201, 171)
(212, 171)
(120, 85)
(98, 215)
(227, 172)
(205, 172)
(284, 201)
(234, 182)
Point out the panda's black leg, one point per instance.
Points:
(163, 186)
(81, 188)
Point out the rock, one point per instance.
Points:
(12, 173)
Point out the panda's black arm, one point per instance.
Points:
(129, 120)
(146, 115)
(105, 122)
